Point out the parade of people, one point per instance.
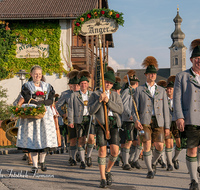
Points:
(83, 120)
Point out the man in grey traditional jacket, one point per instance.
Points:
(129, 134)
(152, 105)
(62, 106)
(79, 118)
(186, 110)
(115, 107)
(173, 129)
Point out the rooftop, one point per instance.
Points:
(41, 9)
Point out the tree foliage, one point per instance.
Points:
(4, 108)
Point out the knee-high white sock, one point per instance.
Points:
(191, 163)
(137, 153)
(34, 156)
(42, 157)
(156, 156)
(148, 159)
(89, 150)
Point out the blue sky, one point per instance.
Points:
(147, 30)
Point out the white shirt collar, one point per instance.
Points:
(83, 93)
(195, 73)
(154, 85)
(106, 91)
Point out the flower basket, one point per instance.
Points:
(39, 116)
(29, 111)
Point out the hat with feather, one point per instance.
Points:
(151, 64)
(109, 75)
(116, 85)
(131, 75)
(170, 81)
(84, 75)
(73, 77)
(162, 83)
(195, 48)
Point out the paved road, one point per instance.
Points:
(62, 176)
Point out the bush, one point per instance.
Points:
(4, 108)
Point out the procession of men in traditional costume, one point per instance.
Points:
(139, 116)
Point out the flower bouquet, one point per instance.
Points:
(29, 111)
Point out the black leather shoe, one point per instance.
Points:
(116, 163)
(176, 164)
(169, 167)
(154, 168)
(160, 160)
(198, 169)
(126, 167)
(135, 165)
(194, 185)
(43, 167)
(109, 178)
(70, 159)
(62, 151)
(82, 166)
(150, 175)
(73, 163)
(89, 161)
(25, 157)
(78, 159)
(103, 183)
(34, 170)
(163, 165)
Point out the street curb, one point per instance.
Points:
(4, 151)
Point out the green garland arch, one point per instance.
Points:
(96, 13)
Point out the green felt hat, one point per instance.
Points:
(196, 52)
(83, 78)
(134, 78)
(83, 75)
(170, 84)
(151, 64)
(75, 80)
(109, 75)
(150, 69)
(116, 86)
(170, 81)
(73, 77)
(70, 81)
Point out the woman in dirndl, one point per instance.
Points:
(37, 135)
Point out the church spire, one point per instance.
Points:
(177, 36)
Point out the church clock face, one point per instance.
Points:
(175, 49)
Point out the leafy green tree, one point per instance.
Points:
(4, 107)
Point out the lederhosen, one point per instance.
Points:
(173, 127)
(152, 131)
(114, 133)
(82, 129)
(129, 132)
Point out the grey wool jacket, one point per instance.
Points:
(76, 108)
(127, 101)
(64, 98)
(187, 98)
(145, 104)
(114, 103)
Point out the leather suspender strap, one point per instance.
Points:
(100, 125)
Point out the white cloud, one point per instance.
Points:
(129, 64)
(112, 63)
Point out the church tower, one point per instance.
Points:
(177, 49)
